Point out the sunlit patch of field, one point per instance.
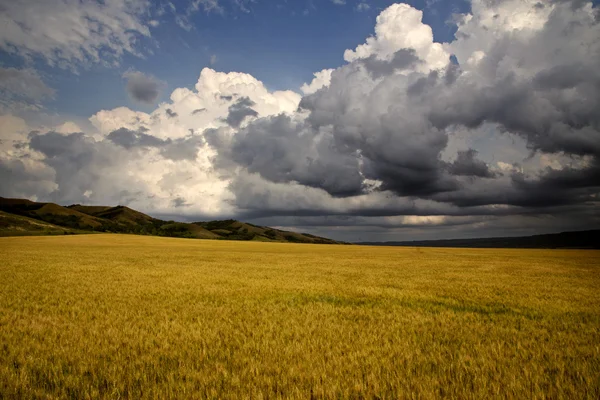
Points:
(119, 316)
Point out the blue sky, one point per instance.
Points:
(280, 43)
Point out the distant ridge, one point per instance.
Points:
(565, 240)
(25, 217)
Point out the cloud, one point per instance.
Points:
(242, 5)
(278, 150)
(321, 79)
(467, 164)
(401, 59)
(399, 137)
(70, 34)
(239, 111)
(130, 139)
(362, 6)
(383, 120)
(194, 6)
(176, 150)
(142, 88)
(399, 27)
(145, 160)
(206, 5)
(180, 202)
(23, 83)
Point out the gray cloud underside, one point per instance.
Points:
(176, 150)
(402, 59)
(467, 164)
(240, 110)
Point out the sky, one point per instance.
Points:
(359, 120)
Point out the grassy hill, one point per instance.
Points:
(17, 225)
(236, 230)
(120, 219)
(90, 210)
(118, 214)
(53, 214)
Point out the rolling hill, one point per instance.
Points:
(17, 225)
(52, 213)
(236, 230)
(20, 216)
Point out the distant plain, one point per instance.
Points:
(123, 316)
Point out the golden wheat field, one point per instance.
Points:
(119, 316)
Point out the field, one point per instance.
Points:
(119, 316)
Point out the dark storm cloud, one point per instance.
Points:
(356, 228)
(176, 150)
(240, 110)
(467, 164)
(129, 139)
(394, 132)
(380, 135)
(361, 221)
(552, 188)
(562, 77)
(259, 199)
(430, 84)
(565, 186)
(54, 145)
(422, 84)
(142, 87)
(278, 150)
(16, 180)
(182, 149)
(401, 59)
(550, 123)
(556, 111)
(179, 202)
(79, 162)
(399, 148)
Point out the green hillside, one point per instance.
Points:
(25, 214)
(90, 210)
(136, 222)
(119, 214)
(17, 225)
(236, 230)
(54, 214)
